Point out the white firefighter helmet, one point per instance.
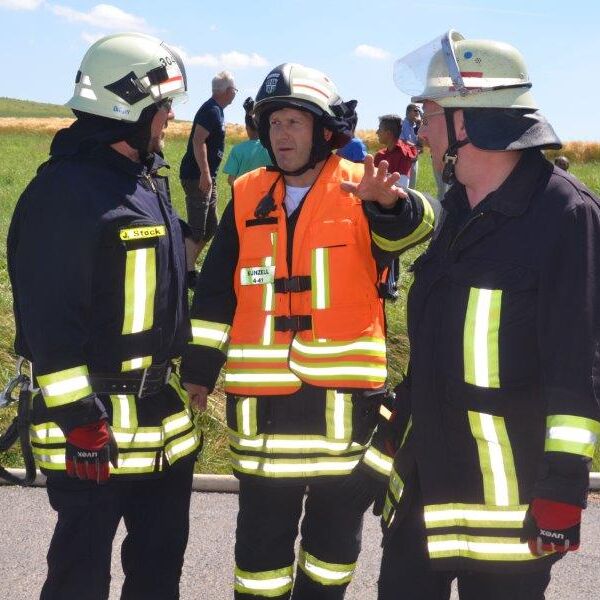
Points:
(122, 74)
(456, 72)
(295, 85)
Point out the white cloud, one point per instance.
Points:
(212, 28)
(366, 51)
(225, 60)
(20, 4)
(103, 16)
(90, 38)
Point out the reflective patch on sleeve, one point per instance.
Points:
(141, 233)
(575, 435)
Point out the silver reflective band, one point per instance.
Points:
(259, 377)
(296, 467)
(477, 547)
(341, 370)
(263, 584)
(332, 348)
(211, 334)
(326, 573)
(572, 434)
(257, 353)
(263, 443)
(434, 516)
(65, 387)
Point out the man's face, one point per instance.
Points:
(414, 115)
(159, 124)
(229, 95)
(384, 136)
(291, 136)
(433, 131)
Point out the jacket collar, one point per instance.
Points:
(119, 161)
(513, 197)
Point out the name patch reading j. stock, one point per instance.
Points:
(257, 275)
(140, 233)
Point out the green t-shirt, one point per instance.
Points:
(246, 156)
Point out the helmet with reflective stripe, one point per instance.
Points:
(122, 74)
(460, 73)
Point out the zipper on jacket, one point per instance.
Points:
(464, 228)
(151, 183)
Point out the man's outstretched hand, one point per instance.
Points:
(377, 185)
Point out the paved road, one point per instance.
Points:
(26, 524)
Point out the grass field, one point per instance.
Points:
(23, 151)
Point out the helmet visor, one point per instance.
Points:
(412, 74)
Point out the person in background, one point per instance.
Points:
(562, 162)
(355, 150)
(409, 134)
(398, 154)
(498, 416)
(198, 171)
(96, 259)
(249, 155)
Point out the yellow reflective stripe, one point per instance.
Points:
(133, 364)
(46, 433)
(320, 278)
(482, 324)
(49, 458)
(211, 334)
(349, 371)
(575, 435)
(177, 423)
(140, 233)
(475, 515)
(246, 415)
(301, 467)
(496, 459)
(142, 437)
(338, 415)
(266, 378)
(182, 446)
(478, 547)
(325, 573)
(367, 346)
(266, 584)
(63, 387)
(291, 443)
(254, 353)
(137, 462)
(378, 461)
(269, 288)
(385, 412)
(140, 287)
(124, 411)
(418, 235)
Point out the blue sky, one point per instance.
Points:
(355, 42)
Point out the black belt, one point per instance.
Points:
(141, 382)
(293, 323)
(299, 283)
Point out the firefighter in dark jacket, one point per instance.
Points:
(288, 297)
(498, 415)
(97, 265)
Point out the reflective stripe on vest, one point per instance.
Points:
(266, 584)
(293, 444)
(482, 323)
(338, 415)
(140, 287)
(378, 461)
(64, 387)
(575, 435)
(495, 458)
(325, 573)
(288, 467)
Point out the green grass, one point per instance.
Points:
(23, 152)
(11, 107)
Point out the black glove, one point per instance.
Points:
(361, 489)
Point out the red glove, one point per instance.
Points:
(551, 526)
(88, 451)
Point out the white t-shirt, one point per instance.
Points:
(293, 197)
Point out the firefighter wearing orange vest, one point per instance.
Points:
(289, 297)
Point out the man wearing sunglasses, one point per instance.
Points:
(500, 405)
(96, 259)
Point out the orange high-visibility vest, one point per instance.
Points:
(330, 331)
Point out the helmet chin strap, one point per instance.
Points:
(451, 154)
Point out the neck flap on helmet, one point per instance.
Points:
(451, 154)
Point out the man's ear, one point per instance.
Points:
(459, 125)
(327, 134)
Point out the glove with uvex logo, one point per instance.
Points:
(88, 451)
(551, 526)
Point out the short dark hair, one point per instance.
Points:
(562, 162)
(391, 123)
(412, 107)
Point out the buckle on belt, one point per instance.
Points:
(299, 283)
(146, 382)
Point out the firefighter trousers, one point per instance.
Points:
(267, 527)
(156, 516)
(406, 572)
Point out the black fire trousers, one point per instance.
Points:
(330, 535)
(156, 515)
(406, 573)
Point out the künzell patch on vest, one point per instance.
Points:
(257, 275)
